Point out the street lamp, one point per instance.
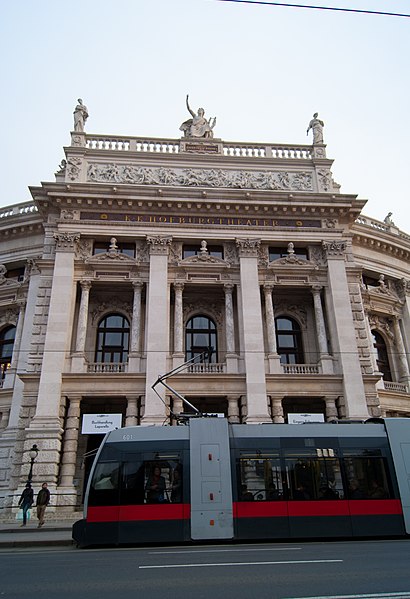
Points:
(33, 453)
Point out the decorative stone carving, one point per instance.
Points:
(330, 223)
(230, 253)
(334, 248)
(83, 249)
(283, 308)
(190, 177)
(142, 249)
(66, 241)
(383, 324)
(198, 126)
(3, 272)
(204, 257)
(73, 168)
(159, 244)
(109, 305)
(175, 253)
(248, 247)
(31, 268)
(316, 254)
(325, 180)
(69, 215)
(10, 316)
(202, 307)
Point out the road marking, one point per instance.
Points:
(311, 561)
(404, 595)
(224, 550)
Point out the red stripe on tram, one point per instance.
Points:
(128, 513)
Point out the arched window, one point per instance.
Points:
(201, 336)
(289, 341)
(7, 336)
(382, 357)
(112, 339)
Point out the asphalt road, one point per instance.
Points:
(357, 570)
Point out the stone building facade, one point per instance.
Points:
(145, 253)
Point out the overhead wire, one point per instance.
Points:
(332, 8)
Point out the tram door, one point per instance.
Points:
(211, 488)
(398, 431)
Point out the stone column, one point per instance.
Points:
(45, 427)
(233, 409)
(134, 357)
(331, 408)
(343, 331)
(254, 353)
(131, 416)
(325, 359)
(70, 444)
(277, 409)
(401, 352)
(157, 334)
(273, 356)
(178, 355)
(18, 335)
(231, 357)
(78, 359)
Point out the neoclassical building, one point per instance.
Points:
(144, 253)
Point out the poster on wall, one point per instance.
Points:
(99, 424)
(304, 418)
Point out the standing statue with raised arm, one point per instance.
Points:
(80, 115)
(317, 126)
(198, 126)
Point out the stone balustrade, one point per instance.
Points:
(300, 368)
(397, 387)
(173, 146)
(206, 368)
(18, 210)
(107, 367)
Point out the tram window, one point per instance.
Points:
(163, 481)
(259, 478)
(132, 487)
(104, 485)
(367, 478)
(314, 477)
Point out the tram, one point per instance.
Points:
(211, 480)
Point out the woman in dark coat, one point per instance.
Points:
(26, 501)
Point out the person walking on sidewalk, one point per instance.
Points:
(43, 499)
(26, 501)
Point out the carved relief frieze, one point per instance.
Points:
(317, 255)
(325, 181)
(190, 177)
(142, 249)
(175, 253)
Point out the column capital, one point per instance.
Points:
(159, 244)
(316, 289)
(248, 247)
(268, 288)
(179, 285)
(335, 248)
(65, 242)
(228, 288)
(86, 284)
(137, 284)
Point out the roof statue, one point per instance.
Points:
(388, 220)
(198, 126)
(317, 127)
(80, 115)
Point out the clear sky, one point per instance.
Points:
(261, 70)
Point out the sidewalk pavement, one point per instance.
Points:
(52, 533)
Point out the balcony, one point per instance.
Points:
(396, 387)
(206, 368)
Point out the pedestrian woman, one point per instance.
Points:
(26, 501)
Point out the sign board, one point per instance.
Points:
(304, 418)
(99, 424)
